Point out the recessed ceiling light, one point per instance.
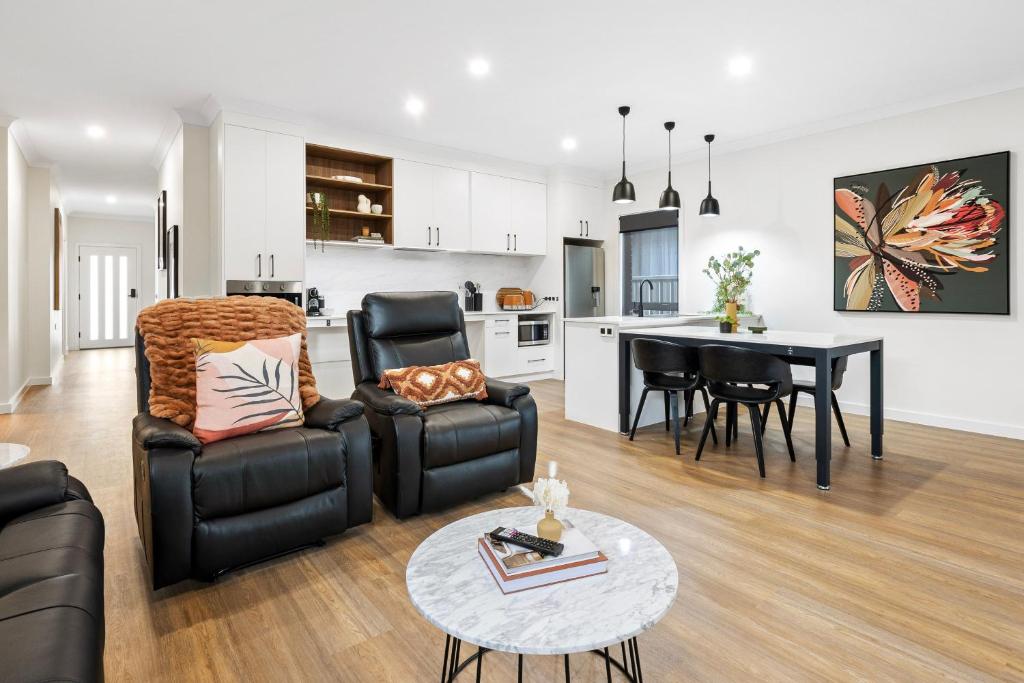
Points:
(568, 144)
(96, 132)
(479, 67)
(741, 65)
(414, 106)
(111, 199)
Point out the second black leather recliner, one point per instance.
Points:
(427, 459)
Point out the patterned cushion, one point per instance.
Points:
(433, 384)
(245, 387)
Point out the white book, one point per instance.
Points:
(536, 579)
(515, 559)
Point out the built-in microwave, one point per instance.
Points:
(534, 331)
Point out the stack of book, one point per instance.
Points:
(517, 569)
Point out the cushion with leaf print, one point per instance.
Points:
(245, 387)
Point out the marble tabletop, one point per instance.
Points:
(450, 586)
(11, 453)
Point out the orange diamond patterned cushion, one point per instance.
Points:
(433, 384)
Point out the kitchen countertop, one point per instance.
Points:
(338, 320)
(627, 321)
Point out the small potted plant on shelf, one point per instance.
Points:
(724, 323)
(321, 217)
(731, 275)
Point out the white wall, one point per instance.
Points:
(87, 229)
(5, 141)
(958, 371)
(40, 277)
(170, 178)
(16, 281)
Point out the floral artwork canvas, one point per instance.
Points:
(245, 387)
(933, 238)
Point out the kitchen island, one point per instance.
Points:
(591, 366)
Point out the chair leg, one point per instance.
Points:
(708, 417)
(764, 417)
(755, 428)
(839, 419)
(709, 424)
(792, 409)
(668, 412)
(639, 410)
(675, 416)
(728, 423)
(687, 407)
(735, 422)
(785, 429)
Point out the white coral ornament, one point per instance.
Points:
(551, 494)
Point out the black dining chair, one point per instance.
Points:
(838, 370)
(672, 369)
(731, 374)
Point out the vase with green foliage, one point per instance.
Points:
(732, 275)
(321, 217)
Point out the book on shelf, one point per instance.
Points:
(515, 568)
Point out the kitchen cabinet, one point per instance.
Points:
(529, 217)
(509, 216)
(263, 214)
(580, 215)
(431, 207)
(501, 346)
(534, 359)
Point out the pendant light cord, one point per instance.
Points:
(709, 167)
(623, 145)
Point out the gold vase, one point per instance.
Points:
(732, 313)
(549, 527)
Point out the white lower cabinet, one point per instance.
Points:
(501, 346)
(534, 359)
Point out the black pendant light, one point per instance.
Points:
(669, 198)
(709, 206)
(623, 192)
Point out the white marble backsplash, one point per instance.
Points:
(344, 274)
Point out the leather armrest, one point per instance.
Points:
(28, 487)
(504, 393)
(156, 432)
(329, 413)
(385, 402)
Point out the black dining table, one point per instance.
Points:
(812, 348)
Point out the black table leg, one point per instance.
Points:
(567, 680)
(638, 672)
(444, 666)
(479, 662)
(624, 357)
(607, 666)
(520, 669)
(823, 417)
(877, 406)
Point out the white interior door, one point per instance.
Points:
(108, 289)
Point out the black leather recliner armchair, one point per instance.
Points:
(51, 576)
(203, 510)
(429, 459)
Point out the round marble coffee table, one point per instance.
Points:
(450, 586)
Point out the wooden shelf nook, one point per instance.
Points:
(342, 195)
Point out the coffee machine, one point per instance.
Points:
(314, 302)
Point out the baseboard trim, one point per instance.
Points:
(39, 381)
(12, 405)
(932, 420)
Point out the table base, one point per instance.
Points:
(629, 667)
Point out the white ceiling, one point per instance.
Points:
(558, 68)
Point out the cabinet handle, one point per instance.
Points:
(271, 265)
(515, 242)
(428, 236)
(581, 228)
(501, 334)
(536, 360)
(508, 236)
(437, 242)
(588, 228)
(259, 265)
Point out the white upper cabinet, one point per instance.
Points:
(491, 201)
(264, 223)
(509, 216)
(431, 206)
(451, 209)
(581, 215)
(286, 218)
(529, 217)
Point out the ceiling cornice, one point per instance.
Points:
(28, 148)
(124, 218)
(172, 124)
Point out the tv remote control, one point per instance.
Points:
(541, 545)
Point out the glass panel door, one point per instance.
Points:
(108, 292)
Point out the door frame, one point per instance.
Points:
(75, 331)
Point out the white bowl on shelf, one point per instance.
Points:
(327, 311)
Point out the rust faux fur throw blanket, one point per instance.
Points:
(168, 327)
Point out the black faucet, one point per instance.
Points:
(645, 282)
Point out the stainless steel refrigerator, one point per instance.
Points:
(584, 281)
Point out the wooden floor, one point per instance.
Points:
(910, 569)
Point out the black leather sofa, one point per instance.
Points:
(51, 577)
(429, 459)
(203, 510)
